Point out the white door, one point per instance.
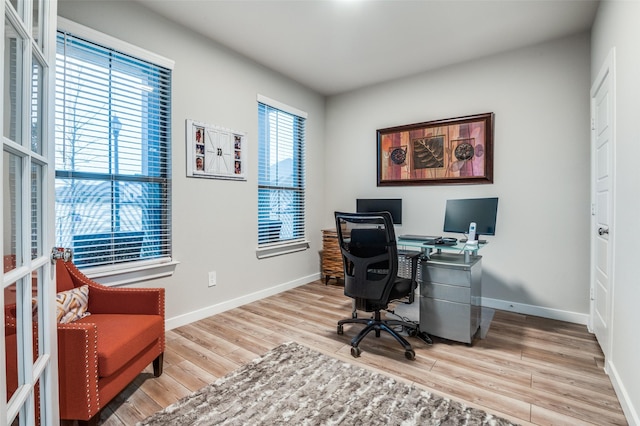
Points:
(602, 153)
(28, 360)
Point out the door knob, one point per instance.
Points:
(602, 231)
(60, 253)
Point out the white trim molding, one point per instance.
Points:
(193, 316)
(538, 311)
(117, 44)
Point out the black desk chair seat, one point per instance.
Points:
(370, 257)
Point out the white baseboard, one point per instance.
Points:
(538, 311)
(190, 317)
(503, 305)
(630, 412)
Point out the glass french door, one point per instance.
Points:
(28, 385)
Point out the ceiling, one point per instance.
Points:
(334, 46)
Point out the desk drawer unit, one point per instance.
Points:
(450, 297)
(452, 293)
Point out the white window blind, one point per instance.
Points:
(113, 156)
(281, 176)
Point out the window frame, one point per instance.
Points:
(128, 272)
(280, 247)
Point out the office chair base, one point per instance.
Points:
(377, 324)
(356, 351)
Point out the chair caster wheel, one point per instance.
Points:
(355, 352)
(340, 329)
(410, 354)
(412, 332)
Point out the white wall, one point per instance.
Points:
(215, 221)
(616, 26)
(538, 262)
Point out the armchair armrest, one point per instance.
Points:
(107, 300)
(78, 370)
(110, 300)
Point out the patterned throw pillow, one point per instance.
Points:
(72, 304)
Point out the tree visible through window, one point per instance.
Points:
(281, 176)
(112, 154)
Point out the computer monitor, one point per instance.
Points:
(391, 205)
(460, 213)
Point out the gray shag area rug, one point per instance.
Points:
(295, 385)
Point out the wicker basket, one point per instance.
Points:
(332, 266)
(331, 257)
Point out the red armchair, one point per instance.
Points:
(99, 355)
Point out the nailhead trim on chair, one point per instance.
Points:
(73, 272)
(86, 368)
(9, 321)
(161, 306)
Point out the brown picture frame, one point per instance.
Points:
(450, 151)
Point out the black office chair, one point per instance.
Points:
(370, 257)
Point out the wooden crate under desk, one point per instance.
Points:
(331, 257)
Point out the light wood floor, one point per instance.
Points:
(530, 370)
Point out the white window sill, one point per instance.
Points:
(139, 271)
(278, 249)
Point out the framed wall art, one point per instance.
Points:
(215, 152)
(451, 151)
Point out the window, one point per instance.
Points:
(113, 157)
(281, 178)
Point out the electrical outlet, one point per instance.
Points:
(212, 278)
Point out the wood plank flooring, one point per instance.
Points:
(530, 370)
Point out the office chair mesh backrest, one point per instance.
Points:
(370, 256)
